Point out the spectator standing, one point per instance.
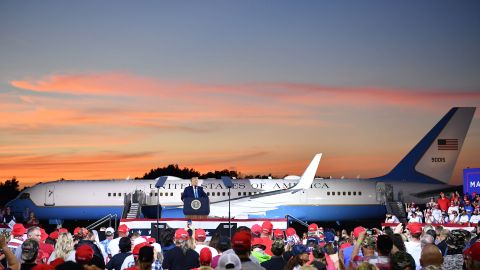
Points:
(116, 261)
(258, 250)
(205, 259)
(472, 257)
(17, 237)
(64, 248)
(413, 245)
(9, 256)
(200, 237)
(276, 261)
(113, 247)
(431, 255)
(299, 258)
(108, 237)
(32, 233)
(437, 215)
(229, 261)
(181, 256)
(464, 219)
(29, 253)
(8, 216)
(443, 202)
(241, 243)
(266, 236)
(456, 241)
(475, 218)
(223, 245)
(32, 220)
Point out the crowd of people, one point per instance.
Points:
(455, 209)
(258, 247)
(422, 243)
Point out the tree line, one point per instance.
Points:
(186, 173)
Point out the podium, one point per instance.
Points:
(196, 208)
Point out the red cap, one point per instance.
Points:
(84, 254)
(43, 266)
(290, 231)
(414, 227)
(123, 228)
(62, 230)
(257, 241)
(256, 229)
(136, 249)
(56, 262)
(241, 241)
(18, 229)
(358, 230)
(54, 235)
(267, 227)
(76, 230)
(474, 251)
(312, 227)
(181, 234)
(278, 233)
(151, 240)
(200, 235)
(205, 256)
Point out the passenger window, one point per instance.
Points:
(338, 193)
(213, 193)
(328, 193)
(114, 194)
(349, 193)
(223, 193)
(344, 193)
(244, 193)
(208, 193)
(239, 194)
(359, 193)
(354, 193)
(171, 194)
(161, 193)
(218, 193)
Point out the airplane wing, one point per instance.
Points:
(259, 204)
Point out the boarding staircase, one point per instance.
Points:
(134, 211)
(397, 208)
(132, 204)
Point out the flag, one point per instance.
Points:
(447, 144)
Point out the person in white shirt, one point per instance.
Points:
(391, 218)
(415, 219)
(454, 218)
(429, 217)
(452, 208)
(475, 218)
(431, 204)
(464, 218)
(113, 248)
(437, 215)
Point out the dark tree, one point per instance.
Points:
(171, 170)
(9, 190)
(219, 174)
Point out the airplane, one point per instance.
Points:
(428, 167)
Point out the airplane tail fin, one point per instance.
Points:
(433, 159)
(309, 173)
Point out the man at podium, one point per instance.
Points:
(194, 191)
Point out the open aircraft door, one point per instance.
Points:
(49, 195)
(380, 192)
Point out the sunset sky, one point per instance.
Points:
(111, 89)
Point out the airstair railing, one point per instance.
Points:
(288, 217)
(108, 217)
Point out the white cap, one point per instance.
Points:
(109, 231)
(139, 240)
(229, 261)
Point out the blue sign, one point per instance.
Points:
(471, 180)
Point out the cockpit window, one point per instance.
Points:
(24, 196)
